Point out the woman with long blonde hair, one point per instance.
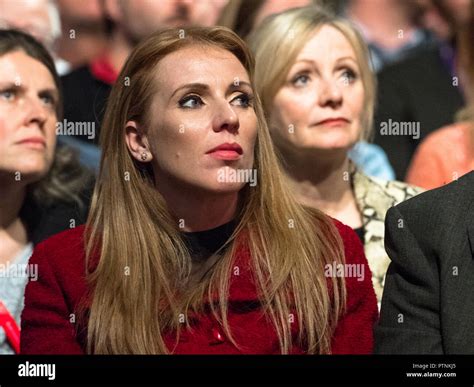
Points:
(318, 90)
(194, 243)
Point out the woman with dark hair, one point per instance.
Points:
(39, 184)
(194, 243)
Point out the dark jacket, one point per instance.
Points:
(418, 89)
(44, 220)
(85, 98)
(428, 303)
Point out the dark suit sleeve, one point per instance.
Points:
(409, 318)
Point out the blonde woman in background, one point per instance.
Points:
(179, 258)
(317, 89)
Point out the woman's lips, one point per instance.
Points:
(225, 154)
(33, 143)
(226, 151)
(332, 122)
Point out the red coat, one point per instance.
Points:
(47, 323)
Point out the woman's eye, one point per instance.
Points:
(243, 100)
(300, 80)
(191, 102)
(7, 95)
(48, 99)
(349, 76)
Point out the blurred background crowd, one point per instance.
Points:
(421, 51)
(418, 104)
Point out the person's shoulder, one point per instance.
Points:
(440, 208)
(453, 135)
(357, 273)
(380, 190)
(353, 247)
(389, 186)
(69, 236)
(82, 79)
(412, 64)
(344, 230)
(454, 194)
(77, 75)
(64, 250)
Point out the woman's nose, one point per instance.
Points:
(35, 111)
(225, 118)
(330, 93)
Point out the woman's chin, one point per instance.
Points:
(29, 172)
(226, 188)
(330, 146)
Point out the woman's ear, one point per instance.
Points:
(137, 142)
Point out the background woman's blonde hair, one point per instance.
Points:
(139, 286)
(280, 38)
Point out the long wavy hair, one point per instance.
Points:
(131, 229)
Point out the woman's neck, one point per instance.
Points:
(119, 49)
(323, 181)
(13, 235)
(196, 210)
(11, 201)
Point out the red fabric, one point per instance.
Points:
(51, 301)
(103, 70)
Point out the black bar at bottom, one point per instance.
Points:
(222, 370)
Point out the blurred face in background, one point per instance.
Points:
(28, 101)
(270, 7)
(31, 16)
(444, 17)
(457, 10)
(143, 17)
(201, 121)
(320, 105)
(81, 12)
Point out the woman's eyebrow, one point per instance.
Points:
(52, 91)
(193, 86)
(343, 58)
(305, 60)
(237, 85)
(202, 87)
(11, 85)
